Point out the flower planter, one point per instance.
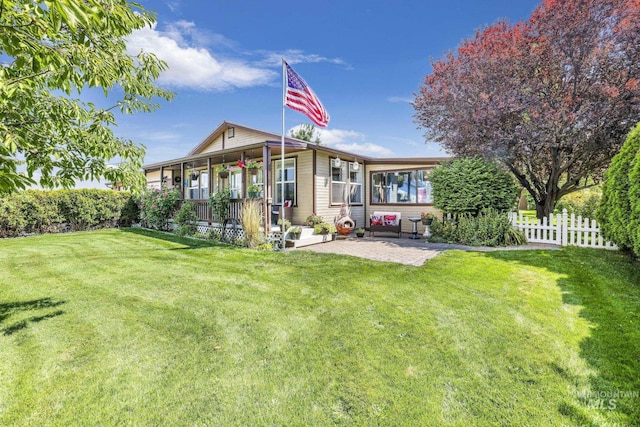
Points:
(427, 221)
(294, 236)
(223, 175)
(253, 194)
(253, 171)
(360, 234)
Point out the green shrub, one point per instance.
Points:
(490, 228)
(324, 228)
(468, 185)
(220, 202)
(619, 214)
(584, 203)
(130, 213)
(157, 206)
(186, 219)
(39, 211)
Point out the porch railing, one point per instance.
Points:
(235, 210)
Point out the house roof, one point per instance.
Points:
(274, 140)
(222, 127)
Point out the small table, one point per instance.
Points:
(414, 226)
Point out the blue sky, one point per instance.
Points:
(364, 60)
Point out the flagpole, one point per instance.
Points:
(282, 218)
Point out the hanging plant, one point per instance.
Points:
(253, 166)
(223, 171)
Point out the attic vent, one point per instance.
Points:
(231, 132)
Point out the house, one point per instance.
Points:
(316, 179)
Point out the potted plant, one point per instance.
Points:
(427, 217)
(253, 191)
(287, 224)
(252, 166)
(314, 219)
(223, 171)
(324, 228)
(360, 232)
(294, 232)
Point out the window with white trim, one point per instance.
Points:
(346, 182)
(288, 179)
(235, 183)
(198, 187)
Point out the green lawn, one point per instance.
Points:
(135, 328)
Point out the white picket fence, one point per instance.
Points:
(561, 229)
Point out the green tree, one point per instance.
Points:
(619, 212)
(306, 132)
(469, 185)
(51, 52)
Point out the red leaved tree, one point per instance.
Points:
(552, 97)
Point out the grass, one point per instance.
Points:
(139, 328)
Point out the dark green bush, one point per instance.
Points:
(130, 212)
(490, 228)
(619, 214)
(186, 219)
(468, 185)
(38, 211)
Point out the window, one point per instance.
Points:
(231, 132)
(198, 187)
(401, 187)
(288, 179)
(235, 183)
(346, 182)
(204, 185)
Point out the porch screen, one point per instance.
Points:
(288, 179)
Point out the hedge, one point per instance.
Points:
(619, 212)
(41, 211)
(469, 185)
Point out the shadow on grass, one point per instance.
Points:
(606, 285)
(187, 242)
(9, 308)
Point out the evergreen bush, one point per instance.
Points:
(619, 213)
(469, 185)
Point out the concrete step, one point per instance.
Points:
(307, 237)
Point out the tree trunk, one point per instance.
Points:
(546, 206)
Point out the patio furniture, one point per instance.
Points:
(389, 222)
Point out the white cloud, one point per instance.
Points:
(399, 99)
(195, 67)
(295, 56)
(349, 140)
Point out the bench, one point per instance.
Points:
(388, 222)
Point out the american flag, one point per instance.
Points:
(301, 98)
